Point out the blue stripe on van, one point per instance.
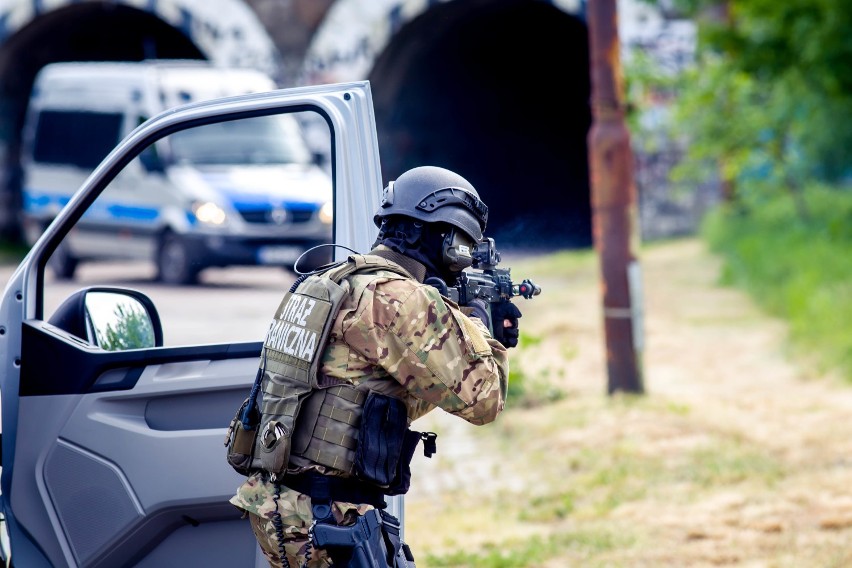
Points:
(250, 200)
(36, 203)
(254, 205)
(125, 212)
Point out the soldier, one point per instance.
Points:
(394, 344)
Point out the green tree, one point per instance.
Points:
(768, 104)
(131, 330)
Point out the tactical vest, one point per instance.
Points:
(289, 416)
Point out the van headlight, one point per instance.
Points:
(326, 213)
(209, 213)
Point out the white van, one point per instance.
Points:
(190, 202)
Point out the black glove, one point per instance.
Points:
(500, 312)
(477, 308)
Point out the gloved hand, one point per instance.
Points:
(478, 308)
(505, 317)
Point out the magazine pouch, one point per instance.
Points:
(240, 442)
(381, 436)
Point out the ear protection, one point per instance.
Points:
(457, 251)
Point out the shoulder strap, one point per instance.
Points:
(364, 263)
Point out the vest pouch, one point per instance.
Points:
(381, 437)
(402, 481)
(274, 442)
(240, 443)
(282, 401)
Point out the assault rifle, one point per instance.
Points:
(484, 280)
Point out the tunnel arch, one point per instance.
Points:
(497, 90)
(71, 30)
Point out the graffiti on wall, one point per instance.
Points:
(669, 44)
(355, 32)
(227, 32)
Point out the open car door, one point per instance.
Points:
(117, 390)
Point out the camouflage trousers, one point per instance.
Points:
(257, 498)
(297, 546)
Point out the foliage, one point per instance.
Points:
(131, 330)
(768, 105)
(525, 391)
(797, 268)
(11, 252)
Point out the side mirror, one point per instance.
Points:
(114, 319)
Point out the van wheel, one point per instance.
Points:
(62, 264)
(174, 265)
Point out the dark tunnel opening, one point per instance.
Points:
(498, 92)
(90, 31)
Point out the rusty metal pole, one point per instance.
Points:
(614, 216)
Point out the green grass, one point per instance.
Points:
(529, 390)
(798, 268)
(533, 551)
(585, 485)
(584, 479)
(554, 265)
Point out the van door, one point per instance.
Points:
(112, 454)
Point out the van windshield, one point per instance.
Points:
(259, 140)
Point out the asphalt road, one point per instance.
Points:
(228, 305)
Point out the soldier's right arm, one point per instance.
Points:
(432, 349)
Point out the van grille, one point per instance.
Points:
(266, 216)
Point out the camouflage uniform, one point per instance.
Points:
(409, 342)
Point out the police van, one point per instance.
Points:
(244, 192)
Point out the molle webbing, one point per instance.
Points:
(327, 430)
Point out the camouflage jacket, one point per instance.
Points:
(407, 340)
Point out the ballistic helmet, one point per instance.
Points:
(435, 195)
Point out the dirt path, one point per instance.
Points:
(736, 455)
